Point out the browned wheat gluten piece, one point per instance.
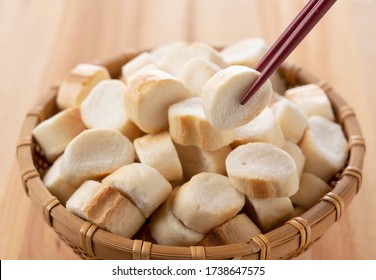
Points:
(142, 184)
(158, 151)
(239, 229)
(79, 83)
(148, 97)
(189, 126)
(107, 208)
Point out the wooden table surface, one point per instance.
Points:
(41, 40)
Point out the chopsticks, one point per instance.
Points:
(298, 29)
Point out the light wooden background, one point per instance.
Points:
(41, 40)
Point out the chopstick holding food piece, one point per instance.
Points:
(287, 42)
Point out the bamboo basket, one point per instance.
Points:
(284, 242)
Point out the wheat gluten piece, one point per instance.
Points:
(195, 160)
(261, 170)
(54, 134)
(158, 53)
(223, 91)
(136, 64)
(310, 191)
(178, 54)
(248, 53)
(312, 99)
(297, 155)
(189, 126)
(104, 108)
(94, 154)
(158, 151)
(141, 184)
(269, 213)
(325, 148)
(167, 229)
(55, 183)
(148, 97)
(78, 84)
(206, 201)
(263, 128)
(291, 118)
(239, 229)
(107, 208)
(196, 72)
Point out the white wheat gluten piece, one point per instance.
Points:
(142, 184)
(312, 99)
(79, 82)
(263, 128)
(55, 133)
(55, 183)
(239, 229)
(297, 155)
(196, 72)
(291, 118)
(107, 208)
(167, 229)
(223, 91)
(94, 154)
(269, 213)
(137, 63)
(104, 108)
(159, 152)
(311, 189)
(176, 57)
(246, 52)
(195, 160)
(325, 148)
(207, 201)
(148, 97)
(158, 53)
(261, 170)
(189, 126)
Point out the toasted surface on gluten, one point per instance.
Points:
(239, 229)
(269, 213)
(195, 160)
(159, 152)
(148, 97)
(188, 125)
(142, 184)
(107, 208)
(79, 82)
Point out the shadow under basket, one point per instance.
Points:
(284, 242)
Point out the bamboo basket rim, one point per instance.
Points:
(284, 242)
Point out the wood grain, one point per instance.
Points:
(41, 40)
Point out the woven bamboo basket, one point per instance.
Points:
(284, 242)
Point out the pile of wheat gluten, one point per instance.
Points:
(167, 146)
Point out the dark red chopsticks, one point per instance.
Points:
(303, 23)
